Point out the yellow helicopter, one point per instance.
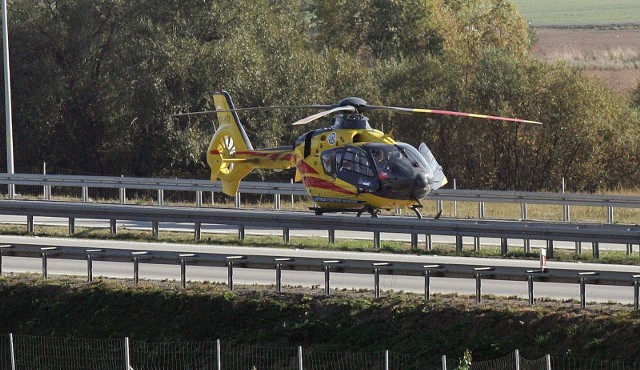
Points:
(347, 167)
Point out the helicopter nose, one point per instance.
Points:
(422, 185)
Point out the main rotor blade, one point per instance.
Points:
(453, 113)
(322, 114)
(253, 108)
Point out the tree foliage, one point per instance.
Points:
(95, 84)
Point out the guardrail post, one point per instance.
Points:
(286, 235)
(85, 194)
(530, 279)
(503, 247)
(90, 263)
(113, 227)
(279, 262)
(480, 209)
(414, 241)
(199, 198)
(629, 249)
(478, 272)
(47, 192)
(326, 266)
(230, 262)
(427, 280)
(160, 197)
(45, 252)
(549, 248)
(241, 232)
(155, 229)
(276, 201)
(636, 292)
(428, 243)
(524, 211)
(3, 247)
(30, 224)
(527, 246)
(237, 200)
(376, 240)
(610, 215)
(123, 195)
(578, 246)
(332, 236)
(183, 267)
(458, 244)
(72, 225)
(439, 206)
(197, 231)
(595, 247)
(566, 213)
(476, 243)
(136, 265)
(376, 276)
(583, 277)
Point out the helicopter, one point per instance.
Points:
(346, 167)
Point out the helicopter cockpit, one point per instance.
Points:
(395, 171)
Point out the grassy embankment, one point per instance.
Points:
(343, 322)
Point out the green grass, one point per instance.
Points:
(345, 321)
(579, 12)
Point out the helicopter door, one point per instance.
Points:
(353, 166)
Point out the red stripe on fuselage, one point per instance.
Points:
(314, 182)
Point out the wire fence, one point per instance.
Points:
(23, 352)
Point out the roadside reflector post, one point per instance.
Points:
(183, 267)
(543, 259)
(90, 253)
(45, 253)
(583, 277)
(427, 279)
(326, 267)
(279, 262)
(636, 292)
(478, 273)
(376, 276)
(230, 262)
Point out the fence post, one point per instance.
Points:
(444, 362)
(127, 358)
(300, 358)
(386, 359)
(13, 352)
(218, 355)
(517, 354)
(548, 358)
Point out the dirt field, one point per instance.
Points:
(612, 56)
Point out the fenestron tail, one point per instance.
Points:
(231, 156)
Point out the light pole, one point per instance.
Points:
(7, 96)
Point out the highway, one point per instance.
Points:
(594, 293)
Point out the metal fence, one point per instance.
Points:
(19, 352)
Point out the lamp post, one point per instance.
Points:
(7, 95)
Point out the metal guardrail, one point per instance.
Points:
(499, 270)
(459, 228)
(277, 189)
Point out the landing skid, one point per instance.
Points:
(374, 212)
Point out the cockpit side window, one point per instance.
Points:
(356, 160)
